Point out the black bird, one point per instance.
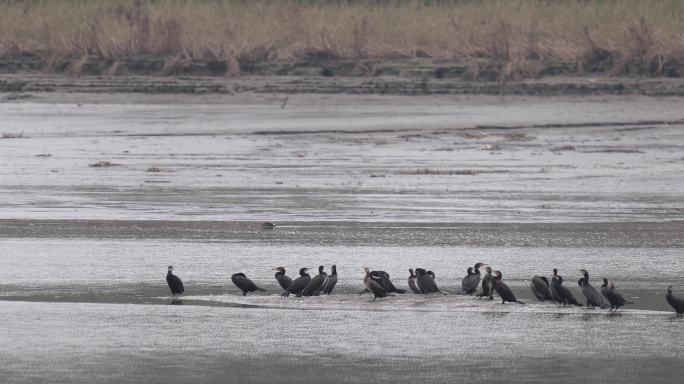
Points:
(299, 283)
(412, 282)
(552, 287)
(383, 278)
(331, 282)
(472, 280)
(246, 285)
(614, 297)
(175, 284)
(487, 289)
(373, 286)
(604, 290)
(564, 293)
(676, 303)
(316, 283)
(283, 279)
(540, 288)
(593, 296)
(426, 282)
(502, 290)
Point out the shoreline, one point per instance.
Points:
(272, 80)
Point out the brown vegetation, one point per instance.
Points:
(513, 38)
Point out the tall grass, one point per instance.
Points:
(520, 36)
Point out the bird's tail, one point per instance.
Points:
(397, 290)
(520, 302)
(261, 289)
(443, 293)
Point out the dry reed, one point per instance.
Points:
(523, 38)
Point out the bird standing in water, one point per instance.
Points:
(614, 297)
(593, 296)
(299, 283)
(470, 283)
(282, 279)
(540, 288)
(175, 285)
(503, 290)
(676, 303)
(425, 280)
(564, 293)
(412, 282)
(552, 287)
(383, 278)
(244, 284)
(487, 289)
(316, 283)
(331, 282)
(373, 286)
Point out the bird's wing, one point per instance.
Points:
(376, 288)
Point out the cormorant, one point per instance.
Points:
(316, 283)
(502, 290)
(175, 284)
(552, 287)
(614, 297)
(426, 283)
(676, 303)
(593, 296)
(299, 283)
(331, 282)
(246, 285)
(564, 293)
(383, 278)
(540, 288)
(373, 286)
(472, 280)
(487, 289)
(412, 282)
(282, 279)
(604, 290)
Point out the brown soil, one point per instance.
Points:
(398, 77)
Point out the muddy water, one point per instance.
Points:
(390, 183)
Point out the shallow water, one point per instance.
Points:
(344, 158)
(96, 309)
(84, 250)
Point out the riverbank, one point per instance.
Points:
(26, 85)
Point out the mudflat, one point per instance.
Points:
(99, 192)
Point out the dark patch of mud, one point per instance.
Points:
(24, 84)
(665, 234)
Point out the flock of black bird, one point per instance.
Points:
(423, 282)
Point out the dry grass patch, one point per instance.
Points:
(522, 38)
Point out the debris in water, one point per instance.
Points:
(562, 148)
(267, 225)
(490, 147)
(103, 164)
